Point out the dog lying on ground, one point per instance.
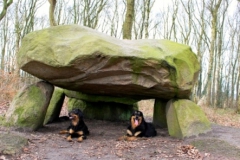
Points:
(77, 126)
(138, 127)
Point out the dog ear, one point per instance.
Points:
(133, 113)
(141, 114)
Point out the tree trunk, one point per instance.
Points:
(5, 35)
(147, 12)
(128, 23)
(51, 12)
(214, 12)
(173, 25)
(17, 37)
(238, 98)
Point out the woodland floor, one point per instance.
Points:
(222, 143)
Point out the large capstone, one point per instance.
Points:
(82, 59)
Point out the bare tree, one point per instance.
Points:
(142, 18)
(5, 5)
(76, 10)
(219, 53)
(172, 32)
(199, 27)
(128, 22)
(4, 40)
(213, 7)
(51, 12)
(86, 12)
(24, 23)
(186, 28)
(238, 51)
(147, 6)
(114, 15)
(91, 12)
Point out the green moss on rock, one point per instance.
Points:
(159, 113)
(102, 110)
(29, 106)
(185, 119)
(99, 98)
(55, 106)
(83, 59)
(74, 103)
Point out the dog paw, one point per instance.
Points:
(69, 139)
(131, 138)
(63, 132)
(122, 138)
(71, 131)
(80, 139)
(80, 133)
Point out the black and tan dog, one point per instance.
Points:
(139, 127)
(77, 126)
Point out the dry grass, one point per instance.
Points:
(225, 117)
(9, 85)
(8, 88)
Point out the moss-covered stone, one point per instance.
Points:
(102, 110)
(135, 106)
(99, 98)
(74, 103)
(185, 119)
(29, 106)
(55, 106)
(159, 113)
(108, 111)
(11, 143)
(85, 60)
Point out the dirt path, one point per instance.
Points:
(228, 134)
(46, 143)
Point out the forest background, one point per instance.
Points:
(210, 27)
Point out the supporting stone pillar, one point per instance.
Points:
(159, 114)
(103, 110)
(185, 119)
(28, 108)
(55, 106)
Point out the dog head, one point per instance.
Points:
(75, 116)
(136, 119)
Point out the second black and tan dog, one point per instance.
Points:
(139, 127)
(77, 126)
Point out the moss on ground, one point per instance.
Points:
(11, 144)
